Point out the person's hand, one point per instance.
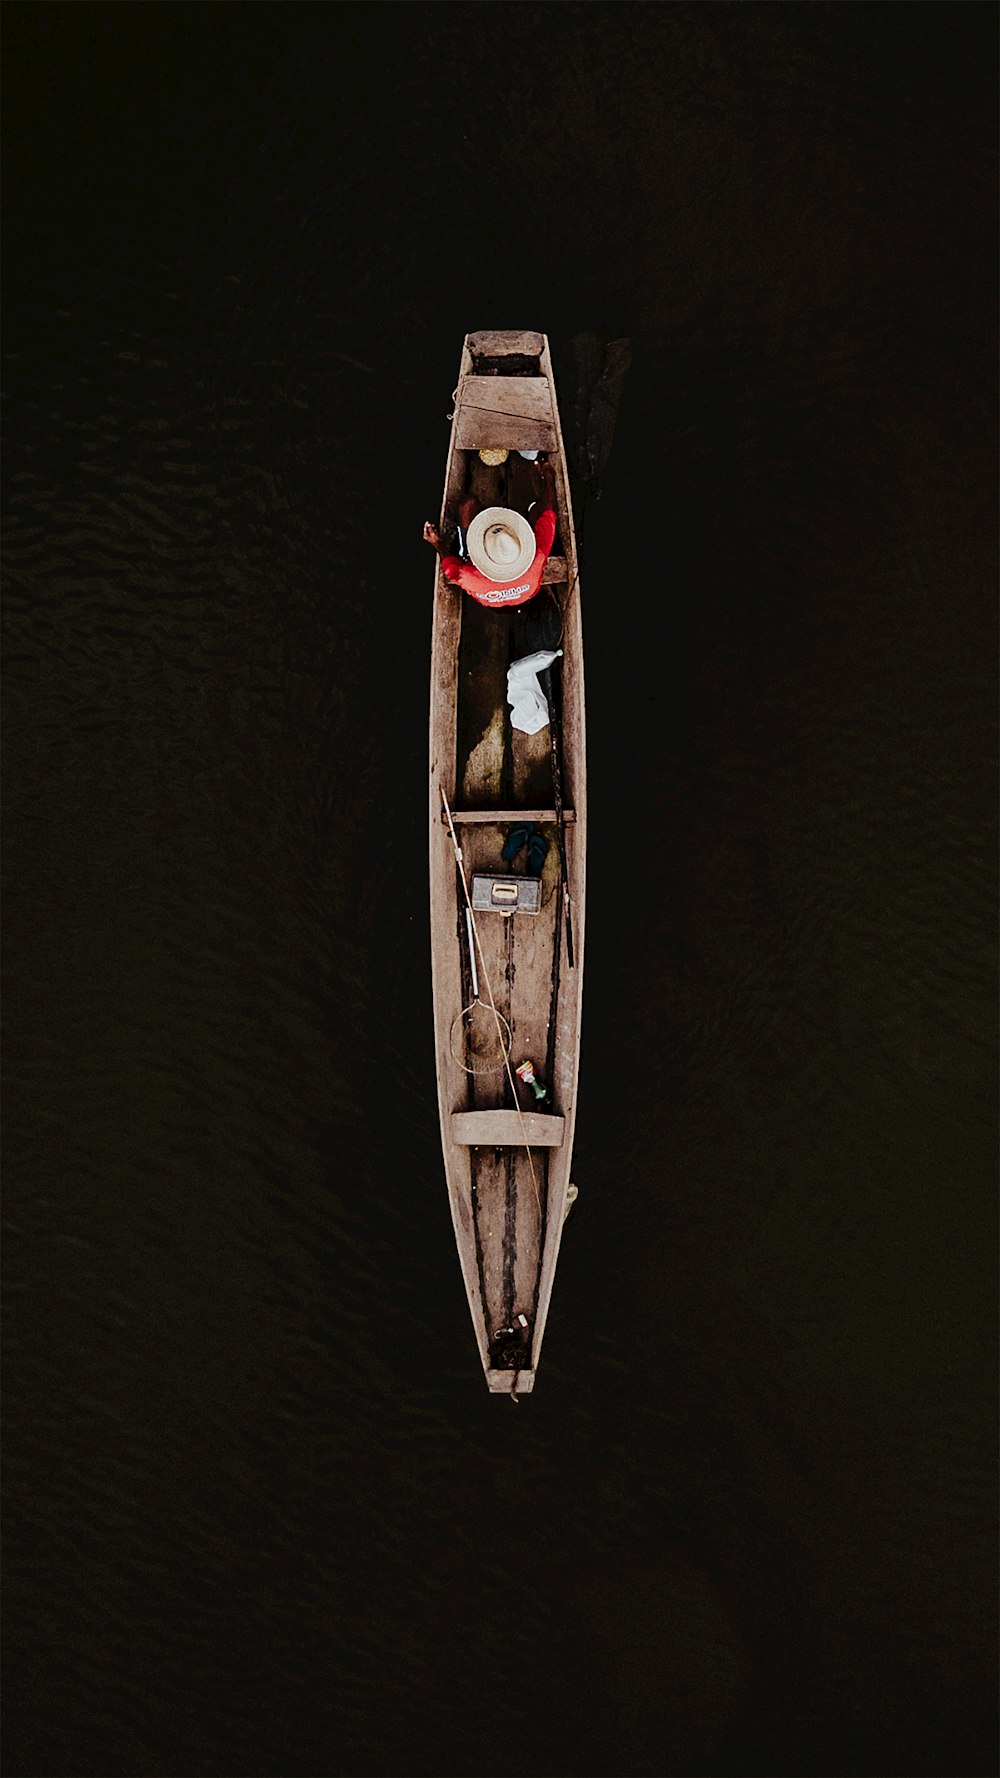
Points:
(431, 534)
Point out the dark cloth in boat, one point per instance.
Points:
(492, 592)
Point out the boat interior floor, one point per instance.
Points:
(501, 768)
(497, 765)
(504, 780)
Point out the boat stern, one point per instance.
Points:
(510, 1382)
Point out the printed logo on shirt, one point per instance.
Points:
(510, 592)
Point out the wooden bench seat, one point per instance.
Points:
(503, 1129)
(505, 817)
(493, 344)
(514, 413)
(554, 573)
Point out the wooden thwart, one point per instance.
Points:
(490, 344)
(505, 412)
(554, 573)
(529, 398)
(478, 430)
(506, 1129)
(504, 817)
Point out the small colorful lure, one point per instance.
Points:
(526, 1072)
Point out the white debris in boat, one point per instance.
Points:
(529, 707)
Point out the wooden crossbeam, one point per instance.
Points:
(503, 1129)
(504, 817)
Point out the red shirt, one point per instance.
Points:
(498, 592)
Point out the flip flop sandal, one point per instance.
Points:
(515, 840)
(538, 847)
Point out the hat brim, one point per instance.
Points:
(476, 537)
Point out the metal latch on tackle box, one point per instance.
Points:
(506, 894)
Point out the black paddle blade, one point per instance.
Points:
(581, 363)
(605, 402)
(592, 378)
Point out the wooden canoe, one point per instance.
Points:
(507, 1156)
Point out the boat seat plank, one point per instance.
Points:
(554, 572)
(502, 1129)
(528, 398)
(493, 344)
(505, 412)
(478, 429)
(502, 817)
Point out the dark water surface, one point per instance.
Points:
(261, 1515)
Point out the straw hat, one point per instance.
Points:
(501, 543)
(494, 457)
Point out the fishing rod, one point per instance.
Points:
(555, 748)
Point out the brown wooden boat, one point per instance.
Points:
(507, 981)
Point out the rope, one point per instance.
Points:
(493, 1008)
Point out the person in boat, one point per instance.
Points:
(501, 554)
